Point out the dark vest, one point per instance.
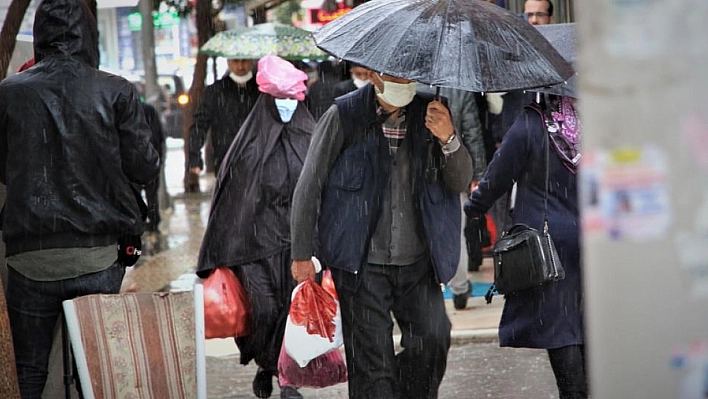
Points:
(352, 196)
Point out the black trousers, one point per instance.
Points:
(568, 364)
(367, 300)
(34, 308)
(269, 284)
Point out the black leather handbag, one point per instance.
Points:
(525, 257)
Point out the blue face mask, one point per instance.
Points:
(286, 108)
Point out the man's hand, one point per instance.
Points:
(302, 270)
(195, 170)
(438, 120)
(473, 185)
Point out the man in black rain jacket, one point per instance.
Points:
(224, 108)
(72, 139)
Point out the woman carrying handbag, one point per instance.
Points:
(540, 153)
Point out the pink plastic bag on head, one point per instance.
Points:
(280, 79)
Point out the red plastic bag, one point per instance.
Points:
(226, 307)
(315, 309)
(314, 323)
(328, 284)
(323, 371)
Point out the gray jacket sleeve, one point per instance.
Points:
(457, 170)
(471, 132)
(326, 144)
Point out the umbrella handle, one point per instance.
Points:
(437, 93)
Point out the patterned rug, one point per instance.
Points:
(139, 345)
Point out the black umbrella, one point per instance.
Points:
(564, 38)
(462, 44)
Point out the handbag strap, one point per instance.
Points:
(546, 145)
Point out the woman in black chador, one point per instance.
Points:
(249, 223)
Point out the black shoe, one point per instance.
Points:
(460, 300)
(263, 384)
(289, 393)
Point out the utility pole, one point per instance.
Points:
(644, 190)
(147, 33)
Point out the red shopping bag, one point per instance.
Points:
(315, 309)
(323, 371)
(226, 307)
(314, 323)
(328, 284)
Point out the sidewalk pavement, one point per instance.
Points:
(173, 267)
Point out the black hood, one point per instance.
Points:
(65, 28)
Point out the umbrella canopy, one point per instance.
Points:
(462, 44)
(564, 38)
(285, 41)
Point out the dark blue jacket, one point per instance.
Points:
(351, 198)
(549, 316)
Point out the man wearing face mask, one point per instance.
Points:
(381, 181)
(224, 107)
(248, 228)
(360, 78)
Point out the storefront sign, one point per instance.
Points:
(320, 16)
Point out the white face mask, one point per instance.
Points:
(286, 108)
(396, 94)
(241, 79)
(358, 82)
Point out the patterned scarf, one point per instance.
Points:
(565, 132)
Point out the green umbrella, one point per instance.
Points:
(285, 41)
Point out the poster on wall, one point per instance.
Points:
(626, 194)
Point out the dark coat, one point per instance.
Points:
(550, 316)
(344, 87)
(320, 96)
(157, 137)
(250, 209)
(72, 139)
(224, 108)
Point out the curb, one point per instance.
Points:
(476, 336)
(460, 337)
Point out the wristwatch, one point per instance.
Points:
(449, 140)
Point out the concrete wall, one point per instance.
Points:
(645, 196)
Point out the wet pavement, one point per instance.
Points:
(477, 368)
(474, 371)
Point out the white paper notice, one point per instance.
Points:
(625, 194)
